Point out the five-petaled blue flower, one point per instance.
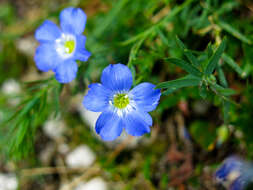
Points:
(121, 107)
(60, 48)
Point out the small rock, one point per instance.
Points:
(82, 156)
(47, 153)
(63, 148)
(8, 182)
(54, 128)
(11, 87)
(94, 184)
(27, 45)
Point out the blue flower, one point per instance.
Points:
(121, 107)
(231, 164)
(60, 48)
(235, 173)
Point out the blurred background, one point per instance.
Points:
(47, 138)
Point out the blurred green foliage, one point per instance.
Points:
(192, 50)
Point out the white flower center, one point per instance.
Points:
(65, 45)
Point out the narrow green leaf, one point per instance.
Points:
(185, 66)
(227, 7)
(134, 51)
(133, 70)
(169, 91)
(180, 43)
(188, 80)
(209, 50)
(110, 18)
(233, 31)
(22, 131)
(187, 53)
(222, 77)
(27, 108)
(224, 91)
(203, 91)
(226, 108)
(233, 65)
(215, 58)
(162, 36)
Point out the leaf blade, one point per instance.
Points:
(188, 80)
(227, 59)
(187, 53)
(215, 58)
(185, 66)
(234, 32)
(224, 91)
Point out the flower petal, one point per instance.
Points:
(145, 96)
(239, 183)
(80, 52)
(109, 126)
(229, 165)
(146, 117)
(97, 99)
(137, 123)
(46, 57)
(66, 71)
(117, 77)
(47, 32)
(73, 20)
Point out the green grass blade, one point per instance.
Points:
(189, 80)
(226, 109)
(222, 77)
(162, 37)
(187, 53)
(110, 17)
(215, 58)
(185, 66)
(233, 65)
(169, 91)
(234, 32)
(224, 91)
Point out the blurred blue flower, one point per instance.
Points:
(238, 184)
(235, 173)
(186, 134)
(60, 48)
(231, 164)
(121, 107)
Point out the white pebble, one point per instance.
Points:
(54, 128)
(11, 87)
(27, 45)
(8, 182)
(47, 153)
(63, 148)
(82, 156)
(94, 184)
